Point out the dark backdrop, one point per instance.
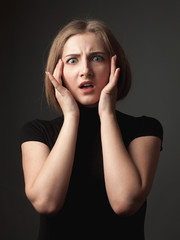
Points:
(149, 31)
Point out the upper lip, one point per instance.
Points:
(86, 82)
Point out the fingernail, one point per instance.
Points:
(47, 74)
(114, 57)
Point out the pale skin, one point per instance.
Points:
(129, 173)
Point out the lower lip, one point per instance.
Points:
(87, 90)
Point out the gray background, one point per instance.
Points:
(149, 31)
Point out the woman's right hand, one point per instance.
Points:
(63, 95)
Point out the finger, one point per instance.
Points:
(114, 71)
(58, 71)
(54, 82)
(58, 87)
(113, 65)
(55, 70)
(113, 82)
(116, 76)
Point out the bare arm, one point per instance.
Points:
(128, 173)
(47, 173)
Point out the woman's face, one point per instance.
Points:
(86, 67)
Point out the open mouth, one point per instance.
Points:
(86, 85)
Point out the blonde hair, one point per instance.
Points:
(112, 47)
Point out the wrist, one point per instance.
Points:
(73, 118)
(107, 111)
(108, 116)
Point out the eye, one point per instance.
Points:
(97, 58)
(72, 60)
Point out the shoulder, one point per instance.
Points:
(41, 130)
(133, 127)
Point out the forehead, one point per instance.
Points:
(83, 42)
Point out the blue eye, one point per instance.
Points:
(97, 59)
(72, 60)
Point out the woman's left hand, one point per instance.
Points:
(108, 97)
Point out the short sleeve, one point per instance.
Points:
(147, 126)
(42, 131)
(133, 127)
(32, 131)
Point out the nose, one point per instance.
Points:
(86, 70)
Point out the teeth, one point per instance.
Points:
(87, 85)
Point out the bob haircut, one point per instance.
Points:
(112, 47)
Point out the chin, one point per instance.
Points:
(90, 104)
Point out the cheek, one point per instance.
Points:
(68, 77)
(103, 76)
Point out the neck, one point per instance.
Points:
(88, 113)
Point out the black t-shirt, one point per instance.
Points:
(86, 212)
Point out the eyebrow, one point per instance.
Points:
(91, 53)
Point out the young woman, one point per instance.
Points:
(88, 172)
